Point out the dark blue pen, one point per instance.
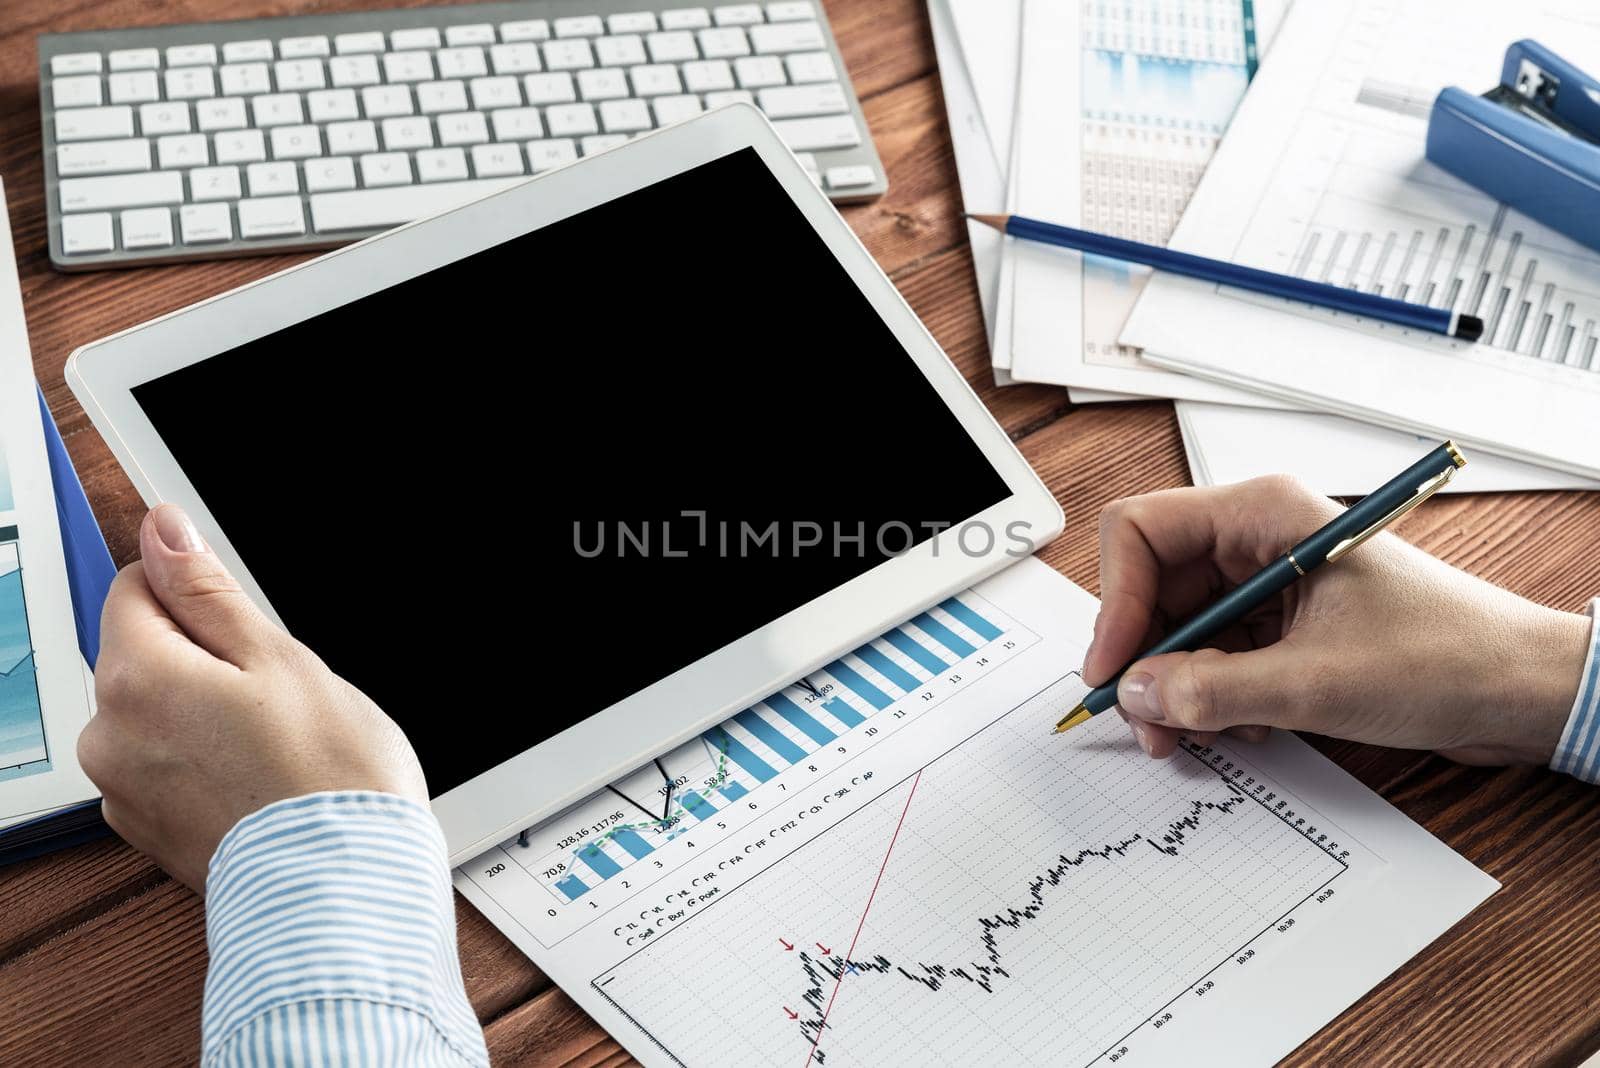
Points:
(1436, 320)
(1347, 530)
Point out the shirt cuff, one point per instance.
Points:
(334, 897)
(1578, 752)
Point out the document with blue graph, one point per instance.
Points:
(895, 862)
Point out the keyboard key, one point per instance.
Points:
(737, 14)
(271, 179)
(525, 30)
(602, 83)
(477, 33)
(731, 96)
(81, 234)
(685, 18)
(365, 209)
(79, 91)
(758, 72)
(411, 132)
(490, 93)
(547, 155)
(724, 43)
(220, 113)
(407, 67)
(247, 52)
(271, 217)
(671, 109)
(441, 164)
(183, 150)
(332, 105)
(810, 135)
(303, 47)
(567, 55)
(625, 116)
(214, 183)
(75, 63)
(518, 58)
(352, 137)
(553, 88)
(331, 172)
(807, 67)
(787, 37)
(245, 79)
(631, 22)
(163, 119)
(202, 223)
(277, 109)
(808, 163)
(571, 120)
(348, 71)
(622, 51)
(296, 142)
(707, 76)
(495, 161)
(672, 46)
(349, 44)
(240, 146)
(298, 75)
(187, 83)
(147, 228)
(103, 157)
(516, 124)
(464, 62)
(463, 128)
(655, 80)
(601, 142)
(579, 26)
(849, 177)
(88, 124)
(133, 87)
(121, 191)
(794, 101)
(382, 101)
(192, 55)
(134, 59)
(382, 168)
(441, 96)
(790, 11)
(424, 37)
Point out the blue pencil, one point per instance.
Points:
(1420, 316)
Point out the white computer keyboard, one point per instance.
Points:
(234, 138)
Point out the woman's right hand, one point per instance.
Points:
(1389, 646)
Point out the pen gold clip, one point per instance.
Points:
(1424, 491)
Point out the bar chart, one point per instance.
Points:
(905, 671)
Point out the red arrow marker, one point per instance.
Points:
(787, 946)
(792, 1015)
(826, 952)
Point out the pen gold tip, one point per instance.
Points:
(1072, 719)
(1455, 454)
(996, 221)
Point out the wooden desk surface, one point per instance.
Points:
(102, 956)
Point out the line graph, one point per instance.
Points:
(1022, 870)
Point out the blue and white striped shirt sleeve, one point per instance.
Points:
(332, 932)
(1578, 752)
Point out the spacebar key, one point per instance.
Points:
(366, 209)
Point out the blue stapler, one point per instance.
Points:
(1533, 141)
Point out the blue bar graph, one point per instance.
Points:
(944, 636)
(770, 736)
(733, 791)
(572, 887)
(799, 719)
(886, 667)
(598, 862)
(636, 847)
(916, 650)
(972, 620)
(851, 678)
(739, 753)
(842, 711)
(697, 806)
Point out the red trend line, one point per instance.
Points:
(863, 922)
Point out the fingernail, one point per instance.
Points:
(177, 531)
(1141, 734)
(1141, 697)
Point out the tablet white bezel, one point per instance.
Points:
(540, 781)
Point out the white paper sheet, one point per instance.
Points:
(44, 695)
(946, 882)
(1323, 174)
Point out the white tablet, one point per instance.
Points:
(574, 471)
